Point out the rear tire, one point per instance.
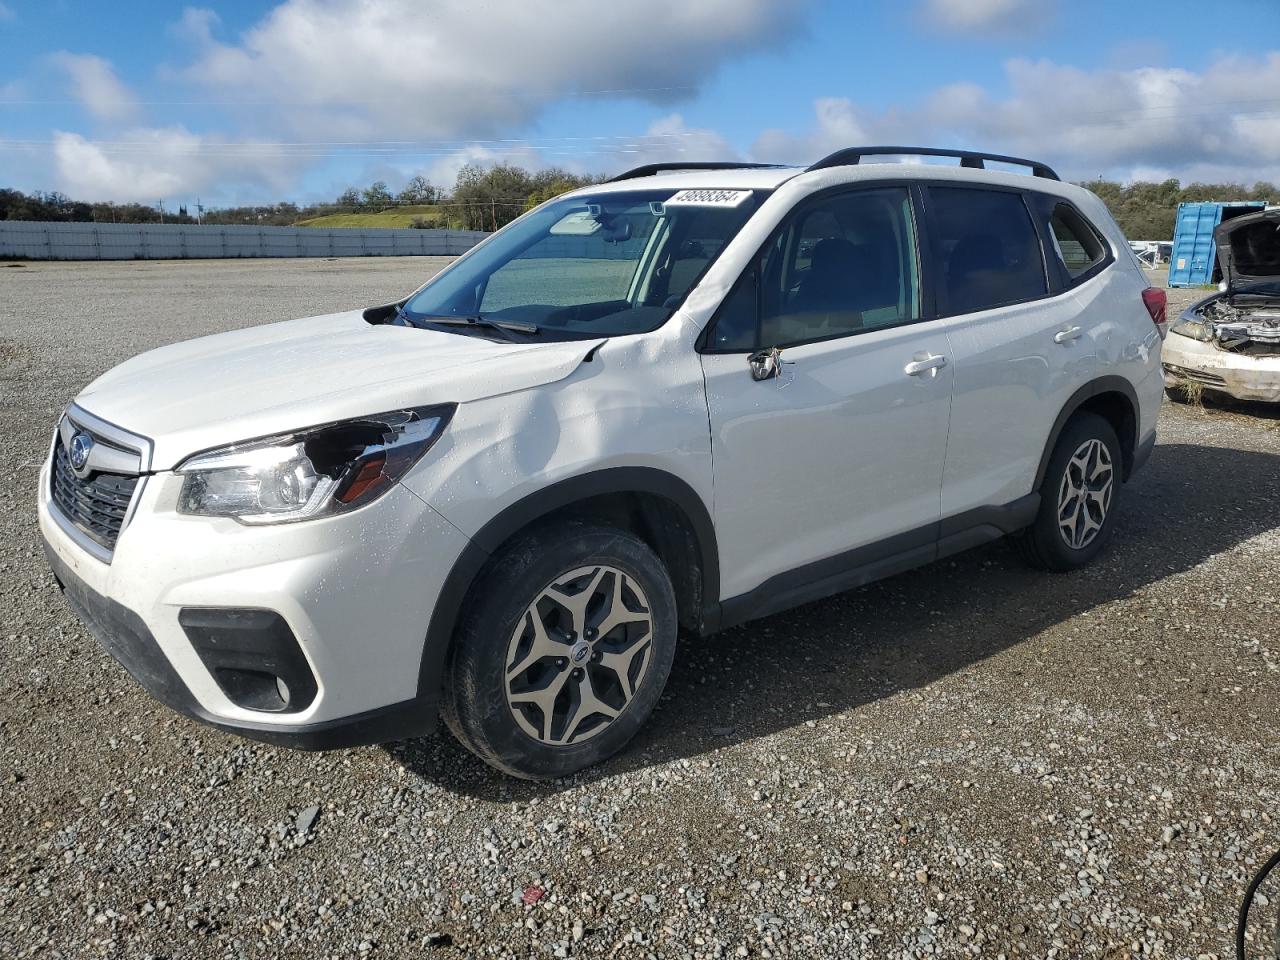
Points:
(1078, 497)
(563, 650)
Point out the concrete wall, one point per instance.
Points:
(173, 241)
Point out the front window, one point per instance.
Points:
(843, 265)
(588, 266)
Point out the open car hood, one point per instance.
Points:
(1249, 248)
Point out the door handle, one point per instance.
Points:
(925, 364)
(1067, 335)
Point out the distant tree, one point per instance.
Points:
(486, 199)
(549, 184)
(1266, 191)
(419, 190)
(377, 195)
(489, 199)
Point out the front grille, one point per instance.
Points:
(97, 505)
(1200, 376)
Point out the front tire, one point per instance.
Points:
(1078, 497)
(563, 650)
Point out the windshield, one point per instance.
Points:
(590, 266)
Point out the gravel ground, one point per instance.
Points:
(971, 759)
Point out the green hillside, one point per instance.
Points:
(399, 217)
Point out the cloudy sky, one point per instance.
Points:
(247, 102)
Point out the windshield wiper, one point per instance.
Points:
(504, 326)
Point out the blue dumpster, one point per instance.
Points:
(1194, 260)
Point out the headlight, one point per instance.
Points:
(1191, 325)
(311, 473)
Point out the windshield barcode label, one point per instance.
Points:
(708, 198)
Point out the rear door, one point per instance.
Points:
(837, 460)
(1017, 338)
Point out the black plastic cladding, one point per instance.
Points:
(851, 156)
(246, 650)
(650, 169)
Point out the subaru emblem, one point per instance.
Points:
(81, 446)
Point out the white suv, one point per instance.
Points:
(689, 397)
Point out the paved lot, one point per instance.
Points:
(972, 759)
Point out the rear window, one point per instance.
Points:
(988, 248)
(1075, 240)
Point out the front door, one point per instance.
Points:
(835, 459)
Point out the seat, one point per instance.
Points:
(832, 282)
(976, 273)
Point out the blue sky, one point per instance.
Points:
(252, 102)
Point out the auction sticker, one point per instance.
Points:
(708, 198)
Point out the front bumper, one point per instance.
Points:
(356, 592)
(1187, 360)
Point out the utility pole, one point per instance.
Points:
(160, 204)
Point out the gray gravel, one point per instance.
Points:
(972, 759)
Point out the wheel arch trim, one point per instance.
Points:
(1095, 388)
(528, 510)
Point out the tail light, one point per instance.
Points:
(1157, 303)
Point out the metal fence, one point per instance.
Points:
(35, 240)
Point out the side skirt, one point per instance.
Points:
(876, 561)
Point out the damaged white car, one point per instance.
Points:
(1230, 343)
(672, 403)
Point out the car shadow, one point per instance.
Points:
(838, 654)
(1247, 408)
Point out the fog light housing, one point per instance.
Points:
(254, 657)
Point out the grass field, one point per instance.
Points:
(400, 217)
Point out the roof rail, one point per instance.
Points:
(649, 169)
(968, 158)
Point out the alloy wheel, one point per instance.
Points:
(578, 655)
(1085, 495)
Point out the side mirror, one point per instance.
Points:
(766, 364)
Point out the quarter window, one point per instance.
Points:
(1075, 241)
(988, 248)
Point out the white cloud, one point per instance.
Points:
(839, 123)
(149, 164)
(667, 138)
(196, 26)
(1218, 124)
(987, 16)
(400, 68)
(94, 83)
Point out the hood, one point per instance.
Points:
(1249, 247)
(283, 376)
